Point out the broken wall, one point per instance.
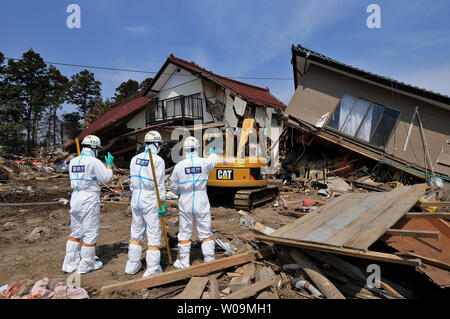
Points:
(320, 91)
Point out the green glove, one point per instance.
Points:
(162, 212)
(212, 150)
(109, 160)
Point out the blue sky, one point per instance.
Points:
(234, 38)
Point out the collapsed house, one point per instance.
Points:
(382, 119)
(183, 94)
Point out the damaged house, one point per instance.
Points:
(181, 94)
(385, 120)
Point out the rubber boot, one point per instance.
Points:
(88, 262)
(72, 258)
(183, 261)
(134, 263)
(208, 251)
(153, 258)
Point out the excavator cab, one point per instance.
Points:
(241, 168)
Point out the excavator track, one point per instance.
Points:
(246, 199)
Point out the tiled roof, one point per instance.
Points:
(254, 94)
(372, 76)
(117, 112)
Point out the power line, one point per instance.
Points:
(153, 72)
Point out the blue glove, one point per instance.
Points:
(212, 150)
(162, 212)
(109, 160)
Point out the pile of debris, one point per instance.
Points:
(42, 289)
(331, 250)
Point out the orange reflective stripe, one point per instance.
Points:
(184, 242)
(206, 240)
(153, 248)
(87, 245)
(76, 240)
(135, 242)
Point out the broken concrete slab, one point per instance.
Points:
(238, 283)
(264, 273)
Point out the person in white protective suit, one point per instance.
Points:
(188, 181)
(86, 172)
(144, 207)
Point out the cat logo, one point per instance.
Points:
(224, 174)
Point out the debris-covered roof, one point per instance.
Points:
(315, 56)
(117, 112)
(254, 94)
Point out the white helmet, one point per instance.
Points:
(92, 141)
(153, 137)
(191, 142)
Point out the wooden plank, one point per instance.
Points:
(444, 216)
(252, 289)
(413, 233)
(337, 230)
(440, 225)
(429, 261)
(371, 255)
(374, 206)
(375, 229)
(354, 272)
(280, 232)
(194, 288)
(197, 270)
(315, 221)
(435, 204)
(322, 283)
(214, 292)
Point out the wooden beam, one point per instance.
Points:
(371, 255)
(350, 270)
(197, 270)
(413, 233)
(213, 288)
(440, 225)
(435, 204)
(445, 216)
(429, 261)
(252, 289)
(194, 288)
(322, 283)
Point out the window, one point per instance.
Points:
(364, 120)
(276, 119)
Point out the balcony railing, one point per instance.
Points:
(183, 108)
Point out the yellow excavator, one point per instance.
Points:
(237, 171)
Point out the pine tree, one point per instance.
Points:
(126, 90)
(84, 91)
(29, 74)
(58, 87)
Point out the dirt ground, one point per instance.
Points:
(25, 258)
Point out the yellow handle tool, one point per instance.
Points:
(160, 205)
(78, 146)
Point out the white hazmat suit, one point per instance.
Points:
(144, 207)
(188, 180)
(86, 172)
